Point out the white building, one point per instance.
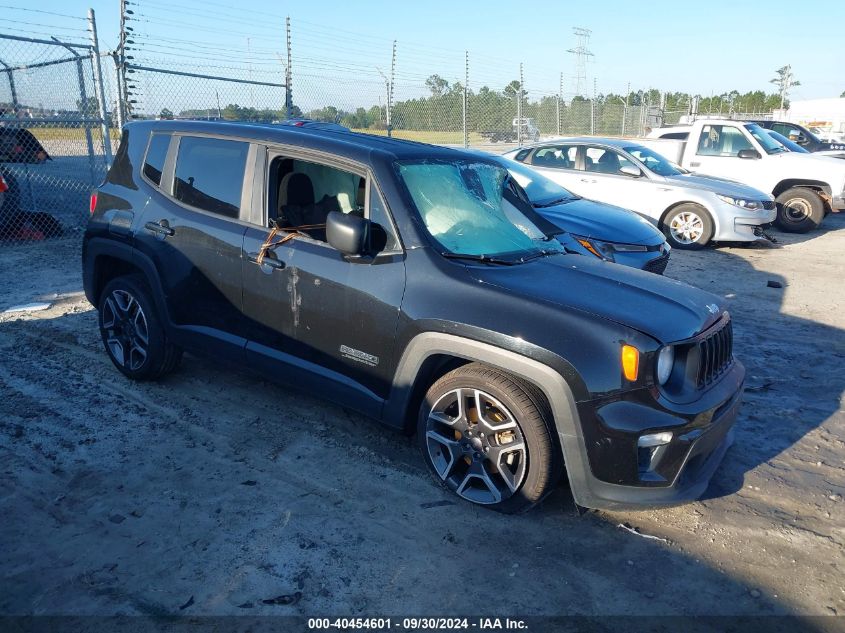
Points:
(826, 114)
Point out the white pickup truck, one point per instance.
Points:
(805, 186)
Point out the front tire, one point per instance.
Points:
(688, 226)
(488, 438)
(132, 331)
(800, 210)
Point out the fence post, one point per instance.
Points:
(120, 97)
(593, 110)
(390, 90)
(559, 99)
(519, 109)
(98, 86)
(12, 88)
(288, 75)
(466, 88)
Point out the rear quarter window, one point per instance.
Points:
(210, 174)
(154, 160)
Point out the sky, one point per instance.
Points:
(700, 48)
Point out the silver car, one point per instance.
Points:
(690, 209)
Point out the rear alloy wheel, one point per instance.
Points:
(485, 437)
(131, 331)
(688, 226)
(799, 210)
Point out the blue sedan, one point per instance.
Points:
(593, 228)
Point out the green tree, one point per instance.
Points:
(437, 85)
(785, 81)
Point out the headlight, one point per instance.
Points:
(607, 250)
(742, 203)
(665, 361)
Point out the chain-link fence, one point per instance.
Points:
(52, 131)
(62, 104)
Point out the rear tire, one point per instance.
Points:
(132, 331)
(688, 227)
(800, 210)
(488, 438)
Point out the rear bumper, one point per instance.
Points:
(700, 441)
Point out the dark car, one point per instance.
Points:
(801, 135)
(592, 228)
(18, 145)
(408, 282)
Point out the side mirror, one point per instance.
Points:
(347, 233)
(630, 170)
(748, 153)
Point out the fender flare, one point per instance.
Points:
(554, 386)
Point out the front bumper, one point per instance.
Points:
(604, 473)
(837, 203)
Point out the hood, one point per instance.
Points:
(718, 185)
(812, 166)
(665, 309)
(603, 222)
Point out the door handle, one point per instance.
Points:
(695, 164)
(161, 228)
(588, 180)
(269, 260)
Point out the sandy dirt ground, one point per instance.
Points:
(213, 491)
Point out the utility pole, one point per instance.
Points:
(288, 75)
(593, 110)
(466, 88)
(581, 52)
(98, 85)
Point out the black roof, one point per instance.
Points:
(353, 145)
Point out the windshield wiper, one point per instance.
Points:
(485, 259)
(541, 253)
(551, 203)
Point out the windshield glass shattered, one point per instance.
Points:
(473, 208)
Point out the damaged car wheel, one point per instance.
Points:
(486, 437)
(132, 332)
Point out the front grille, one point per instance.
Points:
(768, 205)
(658, 264)
(715, 354)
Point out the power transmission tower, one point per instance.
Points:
(581, 52)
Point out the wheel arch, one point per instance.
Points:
(432, 354)
(817, 185)
(104, 260)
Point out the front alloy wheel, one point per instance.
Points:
(688, 226)
(475, 446)
(488, 437)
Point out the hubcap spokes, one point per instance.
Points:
(476, 446)
(687, 228)
(125, 326)
(796, 209)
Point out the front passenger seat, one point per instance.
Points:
(608, 163)
(296, 199)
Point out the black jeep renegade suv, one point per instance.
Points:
(415, 284)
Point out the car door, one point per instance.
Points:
(560, 164)
(604, 180)
(325, 321)
(193, 231)
(717, 154)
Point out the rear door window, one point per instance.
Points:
(210, 174)
(559, 156)
(154, 160)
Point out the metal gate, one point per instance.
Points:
(56, 137)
